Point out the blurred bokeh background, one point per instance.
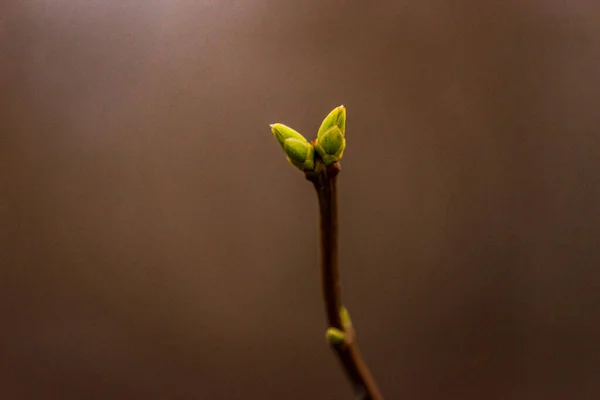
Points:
(155, 244)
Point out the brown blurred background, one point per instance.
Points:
(155, 244)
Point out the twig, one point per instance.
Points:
(347, 351)
(319, 160)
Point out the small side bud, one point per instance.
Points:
(345, 318)
(335, 336)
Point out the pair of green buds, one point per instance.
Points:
(338, 336)
(330, 143)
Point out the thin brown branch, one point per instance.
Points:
(325, 182)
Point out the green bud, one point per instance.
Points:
(298, 151)
(345, 318)
(300, 154)
(337, 117)
(283, 132)
(335, 336)
(331, 145)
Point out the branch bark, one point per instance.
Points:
(325, 181)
